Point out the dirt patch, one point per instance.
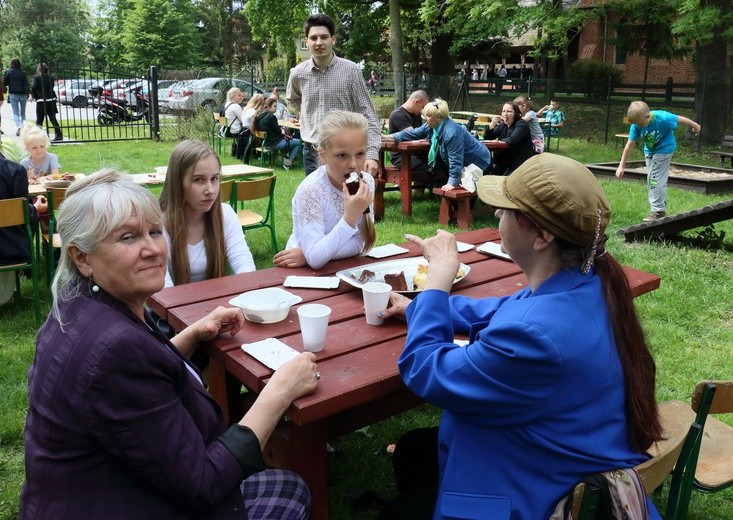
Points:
(689, 173)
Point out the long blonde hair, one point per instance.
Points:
(183, 160)
(335, 122)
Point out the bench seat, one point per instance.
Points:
(727, 142)
(456, 205)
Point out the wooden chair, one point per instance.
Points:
(220, 133)
(244, 191)
(55, 197)
(674, 460)
(262, 149)
(225, 191)
(15, 212)
(711, 462)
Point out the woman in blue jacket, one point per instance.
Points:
(449, 143)
(557, 381)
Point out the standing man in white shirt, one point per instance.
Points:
(326, 82)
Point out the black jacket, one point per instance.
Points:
(520, 139)
(14, 183)
(16, 81)
(42, 87)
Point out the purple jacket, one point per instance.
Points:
(118, 427)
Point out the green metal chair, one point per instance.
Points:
(244, 191)
(710, 468)
(15, 212)
(587, 503)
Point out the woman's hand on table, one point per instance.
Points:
(397, 305)
(442, 255)
(220, 320)
(296, 378)
(448, 187)
(293, 257)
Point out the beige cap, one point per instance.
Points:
(558, 194)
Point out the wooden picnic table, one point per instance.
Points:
(359, 380)
(403, 177)
(289, 124)
(158, 178)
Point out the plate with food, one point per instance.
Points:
(406, 276)
(60, 180)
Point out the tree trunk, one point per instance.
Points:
(398, 58)
(441, 64)
(711, 90)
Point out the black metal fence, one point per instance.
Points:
(174, 105)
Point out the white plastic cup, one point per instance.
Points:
(313, 319)
(376, 298)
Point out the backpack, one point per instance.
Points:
(223, 111)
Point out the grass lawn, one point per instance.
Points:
(689, 320)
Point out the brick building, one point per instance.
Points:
(591, 45)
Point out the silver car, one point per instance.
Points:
(209, 93)
(75, 92)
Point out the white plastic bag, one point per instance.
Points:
(469, 176)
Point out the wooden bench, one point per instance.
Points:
(621, 136)
(456, 204)
(727, 142)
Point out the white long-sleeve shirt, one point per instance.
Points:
(319, 228)
(239, 257)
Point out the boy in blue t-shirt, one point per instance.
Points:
(656, 130)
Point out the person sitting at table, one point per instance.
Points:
(451, 147)
(119, 424)
(203, 233)
(265, 121)
(14, 250)
(530, 116)
(235, 127)
(407, 117)
(554, 115)
(40, 162)
(251, 108)
(282, 112)
(510, 128)
(533, 403)
(329, 222)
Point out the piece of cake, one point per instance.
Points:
(366, 276)
(418, 281)
(397, 281)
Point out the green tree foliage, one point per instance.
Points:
(108, 48)
(50, 30)
(162, 33)
(278, 24)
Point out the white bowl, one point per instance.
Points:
(268, 305)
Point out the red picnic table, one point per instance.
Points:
(359, 380)
(403, 177)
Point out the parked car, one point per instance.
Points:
(210, 93)
(164, 86)
(75, 92)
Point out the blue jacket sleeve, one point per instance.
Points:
(502, 377)
(455, 148)
(412, 135)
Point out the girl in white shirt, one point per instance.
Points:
(328, 222)
(233, 111)
(203, 234)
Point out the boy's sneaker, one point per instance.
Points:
(287, 162)
(655, 215)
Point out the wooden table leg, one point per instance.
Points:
(444, 215)
(406, 183)
(379, 198)
(302, 449)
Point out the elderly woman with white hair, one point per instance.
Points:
(119, 423)
(556, 382)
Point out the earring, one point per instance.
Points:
(95, 287)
